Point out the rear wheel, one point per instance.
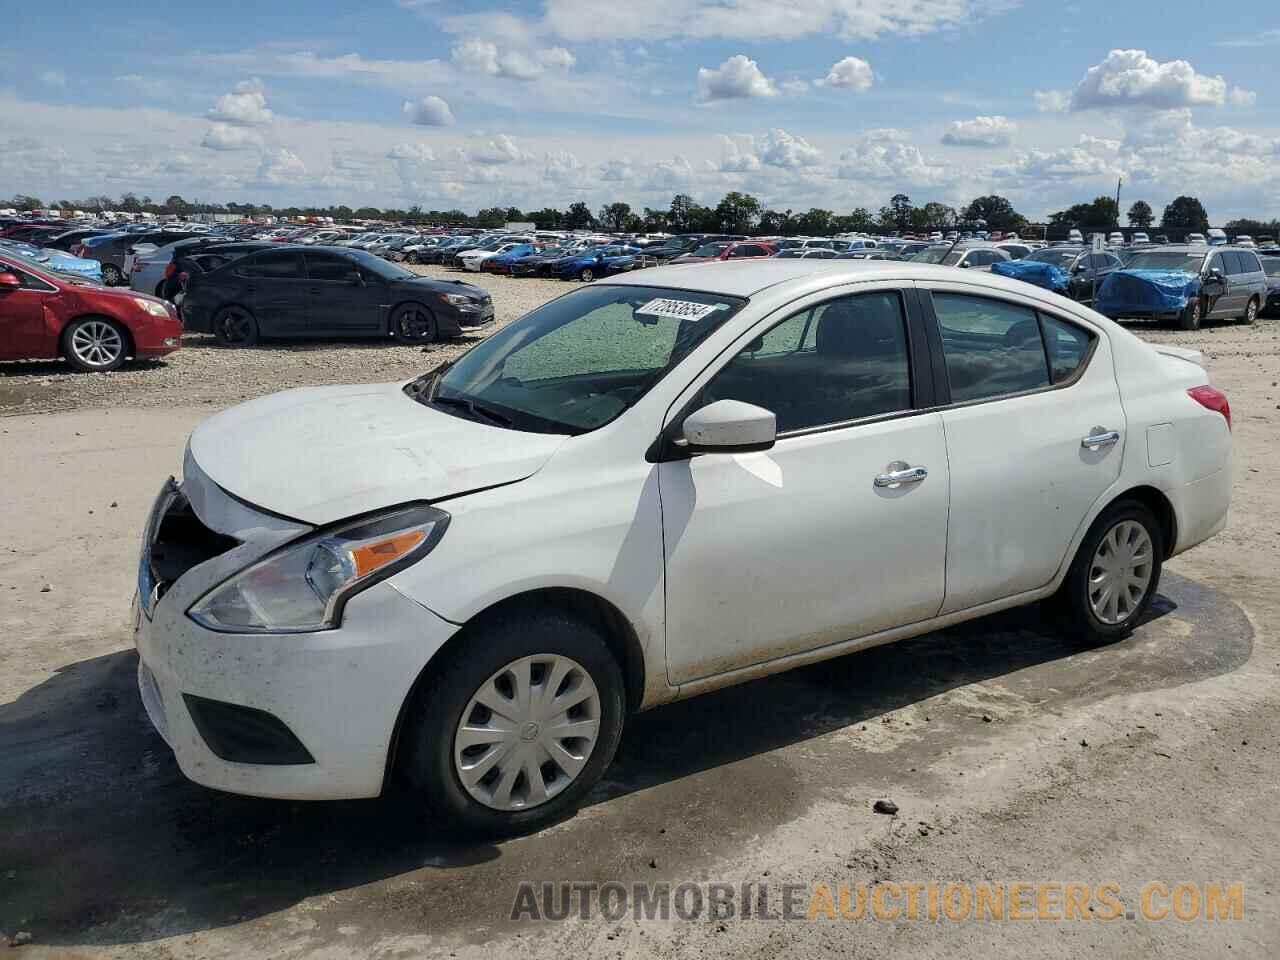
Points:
(235, 327)
(1191, 315)
(512, 734)
(587, 275)
(95, 344)
(1115, 573)
(1250, 312)
(111, 275)
(414, 323)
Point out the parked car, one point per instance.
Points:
(1187, 284)
(1014, 248)
(45, 315)
(1271, 266)
(472, 260)
(1084, 268)
(538, 263)
(594, 263)
(297, 291)
(728, 250)
(501, 262)
(55, 260)
(473, 578)
(110, 249)
(805, 253)
(973, 255)
(151, 270)
(1139, 237)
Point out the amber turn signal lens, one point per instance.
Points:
(368, 557)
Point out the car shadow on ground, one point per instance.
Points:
(198, 341)
(104, 841)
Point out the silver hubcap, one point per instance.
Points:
(96, 343)
(527, 732)
(1251, 311)
(1120, 574)
(588, 276)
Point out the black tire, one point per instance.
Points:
(1192, 315)
(1074, 603)
(427, 742)
(111, 275)
(414, 323)
(235, 327)
(1250, 312)
(587, 275)
(95, 344)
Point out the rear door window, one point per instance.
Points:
(992, 348)
(282, 265)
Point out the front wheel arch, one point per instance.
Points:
(618, 633)
(130, 348)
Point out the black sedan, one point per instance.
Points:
(300, 291)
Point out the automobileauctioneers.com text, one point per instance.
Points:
(884, 900)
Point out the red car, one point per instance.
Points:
(45, 315)
(728, 250)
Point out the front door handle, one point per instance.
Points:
(901, 473)
(1100, 438)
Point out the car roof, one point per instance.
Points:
(742, 278)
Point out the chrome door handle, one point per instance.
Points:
(1104, 439)
(905, 475)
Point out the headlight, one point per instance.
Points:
(304, 586)
(153, 308)
(457, 299)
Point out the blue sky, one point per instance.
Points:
(833, 103)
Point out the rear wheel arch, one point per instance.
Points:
(613, 626)
(1159, 504)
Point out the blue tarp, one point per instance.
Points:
(1033, 271)
(1142, 292)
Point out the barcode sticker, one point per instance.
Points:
(677, 309)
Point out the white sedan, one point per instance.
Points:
(650, 487)
(472, 259)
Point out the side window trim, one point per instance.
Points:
(941, 383)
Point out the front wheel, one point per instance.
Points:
(1115, 573)
(1250, 312)
(1191, 315)
(94, 345)
(111, 275)
(510, 735)
(414, 323)
(587, 275)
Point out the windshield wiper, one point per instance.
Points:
(477, 411)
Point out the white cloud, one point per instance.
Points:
(280, 167)
(428, 112)
(615, 171)
(980, 132)
(1239, 97)
(851, 72)
(483, 56)
(500, 150)
(780, 149)
(563, 167)
(738, 154)
(556, 58)
(673, 174)
(245, 105)
(887, 155)
(54, 78)
(758, 19)
(223, 136)
(1129, 78)
(412, 152)
(738, 77)
(1053, 101)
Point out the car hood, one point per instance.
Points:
(321, 454)
(440, 286)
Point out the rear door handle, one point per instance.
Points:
(903, 475)
(1099, 439)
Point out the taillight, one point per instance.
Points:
(1213, 399)
(169, 270)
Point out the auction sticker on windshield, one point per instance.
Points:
(678, 309)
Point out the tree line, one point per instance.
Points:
(737, 212)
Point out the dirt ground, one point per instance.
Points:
(1012, 756)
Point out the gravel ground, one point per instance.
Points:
(204, 373)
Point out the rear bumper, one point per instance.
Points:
(1201, 508)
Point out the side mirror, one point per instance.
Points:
(1215, 274)
(729, 426)
(9, 281)
(1078, 268)
(964, 265)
